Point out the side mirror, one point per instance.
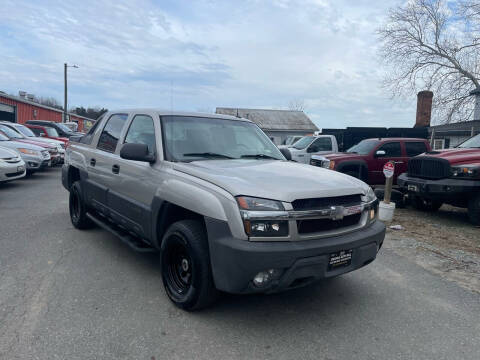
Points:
(42, 134)
(286, 153)
(137, 152)
(380, 153)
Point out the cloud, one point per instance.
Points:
(204, 54)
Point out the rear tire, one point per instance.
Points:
(423, 204)
(474, 210)
(78, 210)
(186, 269)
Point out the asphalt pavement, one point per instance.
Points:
(70, 294)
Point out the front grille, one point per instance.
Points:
(322, 203)
(14, 174)
(428, 168)
(319, 225)
(315, 162)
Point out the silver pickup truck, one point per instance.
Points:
(220, 202)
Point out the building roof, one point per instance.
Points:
(458, 128)
(26, 101)
(280, 120)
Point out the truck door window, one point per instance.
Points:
(321, 144)
(392, 149)
(415, 148)
(36, 131)
(111, 132)
(142, 131)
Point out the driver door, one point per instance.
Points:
(390, 151)
(322, 145)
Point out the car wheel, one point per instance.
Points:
(78, 210)
(423, 204)
(474, 210)
(185, 262)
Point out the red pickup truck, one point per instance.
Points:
(449, 176)
(366, 159)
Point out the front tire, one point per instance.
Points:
(474, 210)
(78, 210)
(185, 262)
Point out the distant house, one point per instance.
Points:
(277, 124)
(450, 135)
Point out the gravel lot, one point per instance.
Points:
(69, 294)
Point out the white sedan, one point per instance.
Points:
(11, 165)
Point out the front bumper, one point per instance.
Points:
(13, 171)
(235, 262)
(442, 189)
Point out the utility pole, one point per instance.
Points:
(65, 105)
(65, 93)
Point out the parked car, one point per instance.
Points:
(214, 195)
(35, 157)
(450, 176)
(307, 146)
(55, 157)
(71, 125)
(26, 132)
(365, 160)
(11, 165)
(63, 130)
(48, 133)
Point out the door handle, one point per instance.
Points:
(93, 162)
(115, 169)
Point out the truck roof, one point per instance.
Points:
(163, 112)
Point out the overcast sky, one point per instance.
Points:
(197, 55)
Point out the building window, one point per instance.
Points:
(34, 113)
(438, 144)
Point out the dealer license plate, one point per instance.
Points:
(412, 188)
(20, 168)
(340, 259)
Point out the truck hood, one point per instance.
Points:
(273, 179)
(344, 156)
(457, 155)
(18, 145)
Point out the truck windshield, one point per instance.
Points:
(64, 128)
(473, 142)
(189, 138)
(363, 147)
(51, 132)
(25, 131)
(303, 142)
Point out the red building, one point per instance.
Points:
(21, 109)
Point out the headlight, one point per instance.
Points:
(29, 152)
(257, 204)
(257, 227)
(466, 171)
(326, 164)
(369, 196)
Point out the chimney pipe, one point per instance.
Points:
(22, 94)
(424, 108)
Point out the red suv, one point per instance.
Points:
(47, 132)
(366, 159)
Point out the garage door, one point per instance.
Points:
(7, 112)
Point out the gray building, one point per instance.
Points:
(277, 124)
(450, 135)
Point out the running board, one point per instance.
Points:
(126, 238)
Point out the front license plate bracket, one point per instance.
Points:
(340, 259)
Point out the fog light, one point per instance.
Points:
(266, 228)
(264, 278)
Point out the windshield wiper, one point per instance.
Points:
(209, 155)
(259, 156)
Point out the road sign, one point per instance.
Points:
(388, 169)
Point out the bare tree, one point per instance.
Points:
(296, 105)
(429, 44)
